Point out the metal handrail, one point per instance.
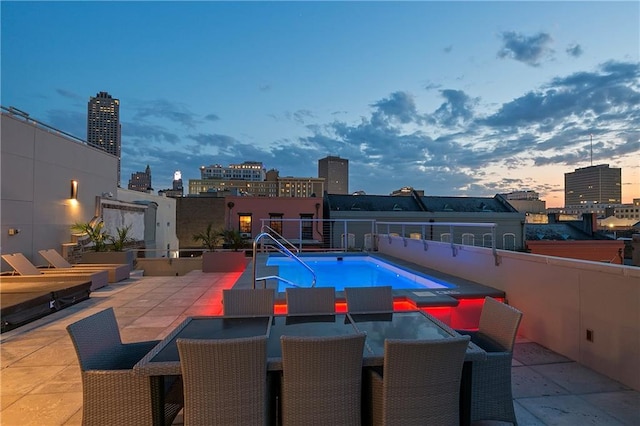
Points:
(451, 225)
(282, 249)
(279, 278)
(272, 231)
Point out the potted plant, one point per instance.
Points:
(95, 232)
(122, 238)
(99, 236)
(210, 238)
(232, 239)
(221, 261)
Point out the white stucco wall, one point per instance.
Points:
(166, 237)
(37, 166)
(560, 298)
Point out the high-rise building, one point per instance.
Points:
(103, 124)
(599, 184)
(177, 189)
(335, 171)
(141, 181)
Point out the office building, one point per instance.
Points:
(335, 171)
(103, 125)
(272, 186)
(593, 185)
(141, 181)
(249, 170)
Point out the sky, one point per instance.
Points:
(453, 98)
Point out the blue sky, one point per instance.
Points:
(455, 98)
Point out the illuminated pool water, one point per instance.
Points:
(350, 271)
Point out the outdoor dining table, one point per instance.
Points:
(163, 360)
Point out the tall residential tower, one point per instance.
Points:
(335, 171)
(103, 125)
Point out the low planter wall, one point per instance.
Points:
(224, 261)
(127, 256)
(169, 267)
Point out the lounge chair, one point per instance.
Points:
(112, 394)
(27, 270)
(247, 301)
(117, 271)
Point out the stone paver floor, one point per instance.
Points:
(40, 378)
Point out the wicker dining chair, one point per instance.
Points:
(420, 383)
(112, 393)
(225, 381)
(247, 301)
(311, 300)
(492, 398)
(369, 299)
(321, 380)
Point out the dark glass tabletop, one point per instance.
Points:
(306, 325)
(396, 325)
(214, 328)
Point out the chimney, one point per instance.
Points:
(589, 223)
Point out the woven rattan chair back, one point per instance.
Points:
(492, 397)
(97, 341)
(499, 322)
(314, 300)
(420, 383)
(112, 393)
(321, 380)
(369, 299)
(247, 301)
(225, 381)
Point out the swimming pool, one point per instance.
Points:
(349, 271)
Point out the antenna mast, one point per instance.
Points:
(591, 135)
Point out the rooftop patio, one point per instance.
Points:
(41, 378)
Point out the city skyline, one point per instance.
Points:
(457, 98)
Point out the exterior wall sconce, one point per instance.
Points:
(74, 190)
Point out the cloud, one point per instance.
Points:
(147, 133)
(529, 50)
(574, 50)
(457, 108)
(211, 117)
(398, 106)
(612, 91)
(454, 149)
(448, 49)
(165, 110)
(69, 94)
(300, 116)
(432, 86)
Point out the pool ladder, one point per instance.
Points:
(283, 250)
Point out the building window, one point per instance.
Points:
(275, 222)
(307, 226)
(244, 224)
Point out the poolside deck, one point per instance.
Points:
(40, 377)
